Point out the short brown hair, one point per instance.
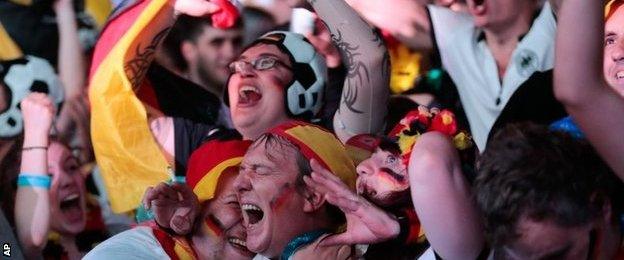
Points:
(528, 171)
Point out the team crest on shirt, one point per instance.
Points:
(527, 62)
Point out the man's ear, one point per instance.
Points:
(313, 200)
(188, 51)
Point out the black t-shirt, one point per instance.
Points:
(189, 135)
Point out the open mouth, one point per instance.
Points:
(619, 75)
(252, 214)
(479, 7)
(71, 207)
(71, 201)
(248, 95)
(240, 245)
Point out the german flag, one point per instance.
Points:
(129, 158)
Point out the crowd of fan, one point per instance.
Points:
(318, 129)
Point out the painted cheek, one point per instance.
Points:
(280, 199)
(387, 181)
(211, 228)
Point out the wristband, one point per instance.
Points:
(41, 181)
(28, 148)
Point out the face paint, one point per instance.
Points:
(212, 227)
(285, 192)
(394, 175)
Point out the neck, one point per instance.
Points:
(202, 246)
(205, 83)
(301, 241)
(503, 42)
(68, 242)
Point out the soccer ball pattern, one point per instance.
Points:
(304, 96)
(21, 77)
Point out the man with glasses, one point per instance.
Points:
(259, 96)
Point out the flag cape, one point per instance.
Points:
(126, 152)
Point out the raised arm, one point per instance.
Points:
(365, 93)
(407, 20)
(72, 71)
(442, 199)
(580, 83)
(125, 148)
(32, 204)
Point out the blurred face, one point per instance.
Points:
(547, 240)
(222, 235)
(257, 96)
(67, 194)
(382, 178)
(498, 13)
(272, 208)
(215, 49)
(614, 51)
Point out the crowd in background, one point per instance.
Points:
(318, 129)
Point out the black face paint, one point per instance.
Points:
(393, 174)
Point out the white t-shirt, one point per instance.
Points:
(472, 67)
(138, 243)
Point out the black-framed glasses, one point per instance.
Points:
(259, 64)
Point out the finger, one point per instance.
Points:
(196, 8)
(333, 186)
(148, 197)
(184, 190)
(346, 205)
(180, 225)
(164, 191)
(162, 203)
(318, 168)
(315, 186)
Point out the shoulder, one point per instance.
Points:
(137, 243)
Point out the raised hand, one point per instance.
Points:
(321, 40)
(366, 223)
(174, 206)
(195, 7)
(38, 113)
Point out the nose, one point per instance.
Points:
(365, 167)
(242, 182)
(229, 50)
(618, 52)
(65, 181)
(244, 69)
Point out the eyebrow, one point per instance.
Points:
(609, 34)
(264, 54)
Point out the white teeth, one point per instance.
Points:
(248, 88)
(238, 242)
(619, 75)
(250, 207)
(71, 197)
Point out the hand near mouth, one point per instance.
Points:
(366, 223)
(174, 206)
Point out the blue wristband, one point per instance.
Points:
(41, 181)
